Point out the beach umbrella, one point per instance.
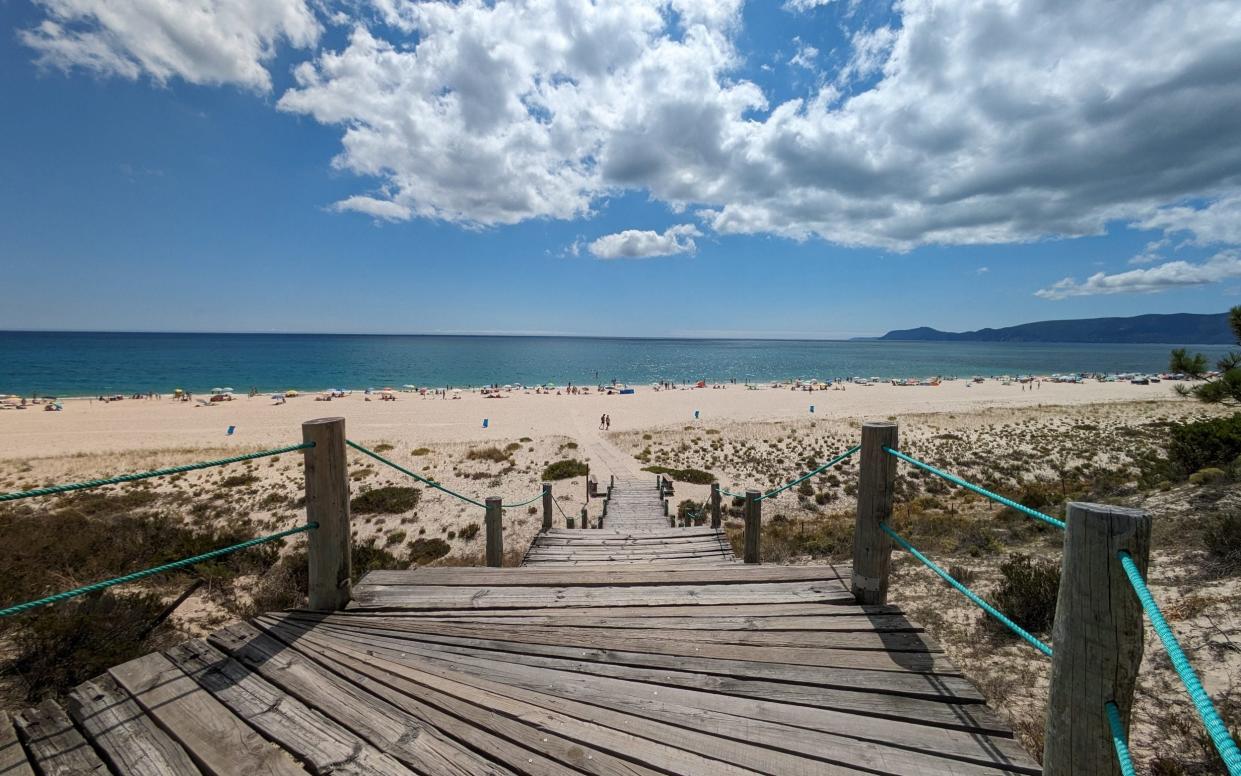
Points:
(277, 395)
(217, 390)
(228, 390)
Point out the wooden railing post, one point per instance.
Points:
(547, 506)
(753, 526)
(585, 518)
(1096, 638)
(715, 505)
(872, 548)
(495, 532)
(330, 554)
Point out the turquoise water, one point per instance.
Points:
(83, 364)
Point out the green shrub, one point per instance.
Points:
(1027, 592)
(1205, 443)
(238, 480)
(565, 469)
(56, 648)
(512, 447)
(427, 550)
(1209, 474)
(388, 500)
(394, 537)
(692, 476)
(469, 532)
(383, 447)
(493, 454)
(420, 451)
(1223, 540)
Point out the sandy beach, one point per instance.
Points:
(90, 426)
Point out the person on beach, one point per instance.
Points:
(607, 422)
(603, 419)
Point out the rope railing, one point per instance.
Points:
(975, 488)
(432, 483)
(537, 496)
(52, 490)
(800, 479)
(808, 475)
(137, 575)
(1118, 740)
(965, 591)
(1215, 726)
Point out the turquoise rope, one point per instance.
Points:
(970, 594)
(730, 493)
(137, 575)
(189, 467)
(980, 491)
(808, 475)
(418, 477)
(522, 504)
(1215, 726)
(1118, 740)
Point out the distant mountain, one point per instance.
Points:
(1175, 329)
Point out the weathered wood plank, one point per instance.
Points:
(715, 714)
(320, 743)
(56, 747)
(218, 740)
(531, 742)
(127, 737)
(385, 726)
(13, 760)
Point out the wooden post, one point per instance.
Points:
(495, 533)
(547, 506)
(872, 548)
(585, 518)
(753, 526)
(1097, 637)
(715, 505)
(327, 503)
(665, 507)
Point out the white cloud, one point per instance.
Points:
(379, 208)
(639, 244)
(203, 42)
(982, 270)
(1151, 253)
(1173, 274)
(1217, 222)
(806, 56)
(985, 123)
(976, 122)
(805, 5)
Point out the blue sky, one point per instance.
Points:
(826, 169)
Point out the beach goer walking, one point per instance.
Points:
(603, 419)
(607, 422)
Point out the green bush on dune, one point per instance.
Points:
(565, 469)
(692, 476)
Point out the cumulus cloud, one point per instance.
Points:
(969, 122)
(1217, 222)
(204, 42)
(1173, 274)
(979, 123)
(640, 244)
(1151, 253)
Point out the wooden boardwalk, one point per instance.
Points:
(609, 653)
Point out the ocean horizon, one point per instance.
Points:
(63, 363)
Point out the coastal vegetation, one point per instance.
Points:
(565, 469)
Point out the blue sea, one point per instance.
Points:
(85, 364)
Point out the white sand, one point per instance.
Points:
(87, 426)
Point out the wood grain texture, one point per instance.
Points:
(872, 548)
(327, 503)
(1097, 636)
